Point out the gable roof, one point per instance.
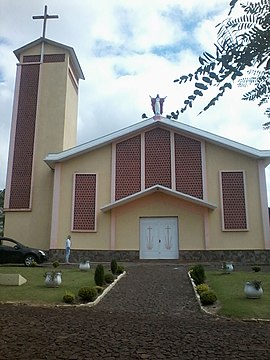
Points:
(158, 188)
(41, 40)
(147, 124)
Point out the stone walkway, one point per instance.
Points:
(149, 314)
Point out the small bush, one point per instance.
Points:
(69, 297)
(256, 268)
(33, 264)
(114, 266)
(99, 275)
(198, 274)
(208, 297)
(88, 294)
(120, 269)
(201, 288)
(55, 264)
(99, 289)
(109, 278)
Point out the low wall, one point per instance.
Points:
(259, 257)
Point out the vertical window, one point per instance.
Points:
(84, 202)
(233, 200)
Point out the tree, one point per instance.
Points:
(243, 43)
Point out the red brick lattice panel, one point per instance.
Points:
(188, 166)
(157, 158)
(24, 139)
(233, 197)
(49, 58)
(128, 167)
(84, 213)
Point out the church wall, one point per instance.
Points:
(97, 162)
(220, 159)
(190, 220)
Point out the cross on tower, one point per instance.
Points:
(45, 16)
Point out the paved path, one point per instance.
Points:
(150, 314)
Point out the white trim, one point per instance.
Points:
(221, 201)
(264, 205)
(162, 189)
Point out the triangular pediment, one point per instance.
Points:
(162, 189)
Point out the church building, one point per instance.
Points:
(158, 189)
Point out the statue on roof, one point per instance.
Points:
(157, 104)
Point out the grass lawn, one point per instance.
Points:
(229, 289)
(35, 291)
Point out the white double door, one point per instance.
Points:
(159, 238)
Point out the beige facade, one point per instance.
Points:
(101, 192)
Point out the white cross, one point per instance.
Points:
(45, 16)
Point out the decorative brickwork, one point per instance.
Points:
(84, 209)
(24, 139)
(157, 158)
(49, 58)
(188, 166)
(233, 197)
(128, 167)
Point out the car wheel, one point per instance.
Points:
(29, 259)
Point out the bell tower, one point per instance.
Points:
(44, 120)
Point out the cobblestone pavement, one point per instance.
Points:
(151, 313)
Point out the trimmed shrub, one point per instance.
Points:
(99, 275)
(99, 289)
(87, 293)
(120, 270)
(208, 297)
(55, 264)
(198, 274)
(201, 288)
(113, 266)
(109, 278)
(69, 297)
(256, 268)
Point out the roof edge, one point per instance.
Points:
(157, 188)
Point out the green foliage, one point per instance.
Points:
(208, 297)
(55, 264)
(99, 289)
(198, 274)
(109, 278)
(231, 296)
(113, 266)
(242, 43)
(201, 288)
(99, 275)
(33, 264)
(69, 297)
(120, 269)
(88, 293)
(256, 268)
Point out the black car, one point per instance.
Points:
(13, 252)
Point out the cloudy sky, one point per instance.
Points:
(128, 50)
